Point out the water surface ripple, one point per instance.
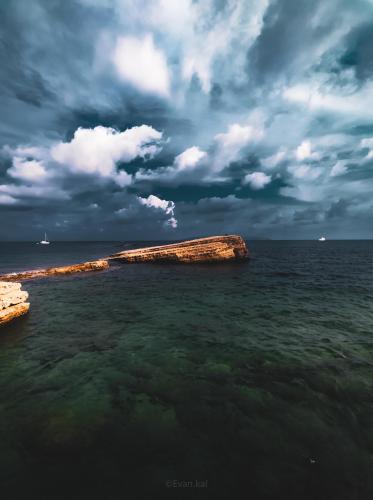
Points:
(257, 377)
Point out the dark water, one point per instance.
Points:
(255, 377)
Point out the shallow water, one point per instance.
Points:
(256, 377)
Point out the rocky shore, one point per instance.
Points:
(96, 265)
(12, 301)
(211, 249)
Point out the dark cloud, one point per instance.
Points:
(216, 96)
(292, 32)
(337, 209)
(263, 109)
(359, 52)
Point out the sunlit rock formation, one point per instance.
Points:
(12, 301)
(96, 265)
(212, 249)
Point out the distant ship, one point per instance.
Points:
(45, 241)
(322, 238)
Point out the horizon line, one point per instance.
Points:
(182, 239)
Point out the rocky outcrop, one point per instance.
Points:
(12, 298)
(12, 301)
(212, 249)
(96, 265)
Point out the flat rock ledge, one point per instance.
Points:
(12, 301)
(211, 249)
(96, 265)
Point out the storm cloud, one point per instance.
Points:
(156, 119)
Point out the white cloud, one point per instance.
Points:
(238, 136)
(6, 199)
(189, 158)
(272, 161)
(367, 143)
(139, 62)
(200, 36)
(25, 152)
(303, 151)
(257, 180)
(333, 141)
(191, 166)
(227, 148)
(315, 97)
(305, 172)
(303, 192)
(96, 151)
(338, 169)
(230, 144)
(37, 177)
(123, 179)
(40, 192)
(28, 170)
(155, 202)
(165, 206)
(172, 222)
(173, 17)
(321, 191)
(235, 25)
(182, 170)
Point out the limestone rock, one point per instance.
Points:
(96, 265)
(13, 312)
(12, 301)
(6, 287)
(211, 249)
(12, 298)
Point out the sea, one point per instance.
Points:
(249, 380)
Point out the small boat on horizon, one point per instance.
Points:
(45, 241)
(322, 238)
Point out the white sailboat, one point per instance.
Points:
(45, 241)
(322, 238)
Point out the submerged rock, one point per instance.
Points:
(211, 249)
(96, 265)
(12, 301)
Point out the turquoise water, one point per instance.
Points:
(135, 382)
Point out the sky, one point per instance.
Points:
(165, 119)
